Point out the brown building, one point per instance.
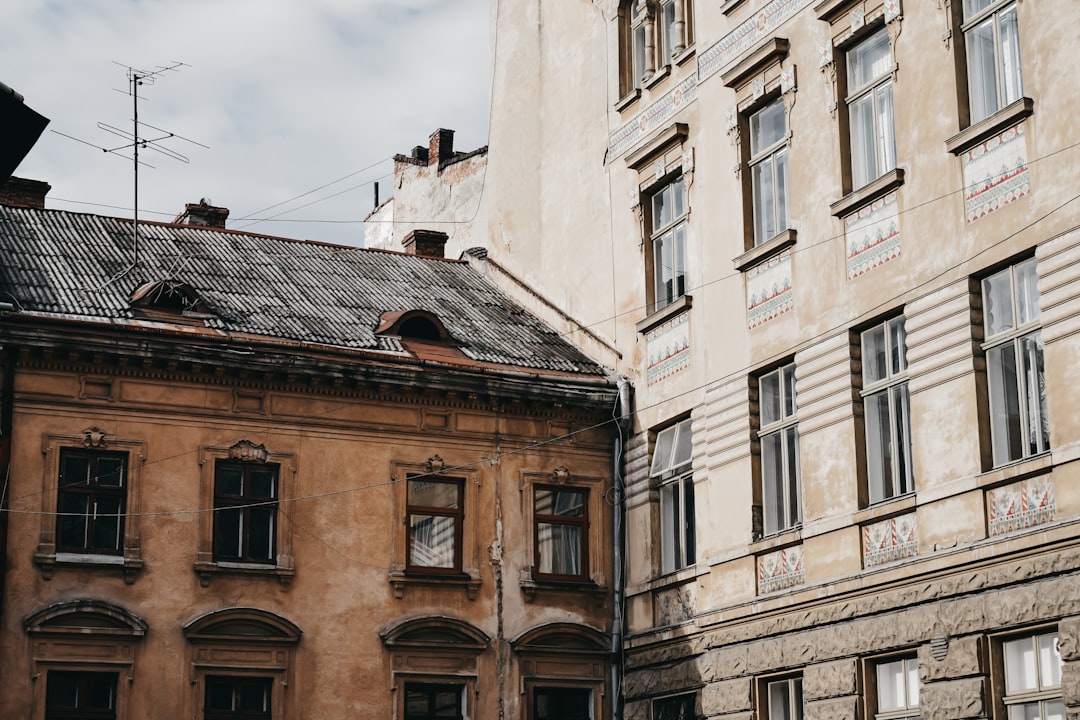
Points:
(260, 478)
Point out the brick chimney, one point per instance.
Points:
(440, 146)
(204, 214)
(20, 192)
(427, 243)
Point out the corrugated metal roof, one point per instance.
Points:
(80, 265)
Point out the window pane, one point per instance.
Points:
(107, 523)
(429, 493)
(1038, 426)
(228, 525)
(668, 38)
(902, 425)
(110, 472)
(973, 7)
(230, 480)
(761, 178)
(663, 210)
(661, 462)
(432, 540)
(679, 251)
(639, 55)
(219, 695)
(890, 686)
(913, 682)
(689, 523)
(772, 476)
(684, 445)
(1053, 710)
(886, 137)
(1004, 403)
(254, 697)
(261, 534)
(262, 483)
(62, 692)
(72, 523)
(1010, 56)
(868, 61)
(897, 345)
(781, 184)
(567, 503)
(768, 126)
(861, 129)
(780, 700)
(75, 470)
(878, 447)
(982, 75)
(873, 354)
(1049, 661)
(794, 502)
(997, 303)
(788, 374)
(769, 397)
(1020, 670)
(562, 704)
(560, 549)
(670, 530)
(1027, 292)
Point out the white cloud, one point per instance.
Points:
(289, 96)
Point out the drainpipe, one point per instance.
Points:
(618, 580)
(7, 412)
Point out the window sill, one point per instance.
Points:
(469, 580)
(207, 570)
(981, 131)
(656, 77)
(868, 193)
(531, 586)
(782, 539)
(1016, 470)
(48, 562)
(675, 577)
(627, 100)
(766, 250)
(679, 306)
(730, 6)
(885, 509)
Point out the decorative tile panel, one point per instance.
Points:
(1021, 505)
(892, 10)
(668, 347)
(995, 173)
(653, 117)
(746, 35)
(787, 79)
(769, 290)
(858, 18)
(675, 605)
(890, 540)
(872, 235)
(781, 569)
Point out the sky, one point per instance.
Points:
(301, 104)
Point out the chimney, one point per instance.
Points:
(440, 146)
(20, 192)
(204, 214)
(426, 243)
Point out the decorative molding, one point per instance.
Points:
(759, 253)
(772, 52)
(435, 464)
(247, 451)
(985, 129)
(94, 437)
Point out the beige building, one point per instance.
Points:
(251, 477)
(835, 245)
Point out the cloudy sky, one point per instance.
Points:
(300, 102)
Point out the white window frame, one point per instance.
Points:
(792, 709)
(672, 473)
(889, 472)
(1043, 688)
(772, 157)
(1012, 335)
(779, 440)
(877, 92)
(1006, 85)
(670, 234)
(905, 682)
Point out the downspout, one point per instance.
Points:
(7, 412)
(618, 580)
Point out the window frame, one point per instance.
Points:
(786, 428)
(1021, 330)
(893, 385)
(676, 230)
(457, 513)
(434, 687)
(969, 24)
(673, 479)
(872, 669)
(48, 555)
(92, 490)
(81, 677)
(207, 565)
(236, 680)
(882, 161)
(651, 40)
(247, 504)
(1040, 694)
(772, 155)
(581, 522)
(796, 702)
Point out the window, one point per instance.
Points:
(886, 411)
(779, 436)
(992, 39)
(91, 502)
(671, 470)
(783, 699)
(652, 35)
(897, 685)
(561, 518)
(870, 109)
(1033, 678)
(80, 695)
(435, 524)
(236, 698)
(768, 170)
(678, 707)
(426, 701)
(562, 703)
(1019, 426)
(245, 512)
(668, 237)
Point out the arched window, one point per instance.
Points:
(83, 659)
(563, 668)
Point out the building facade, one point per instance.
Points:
(259, 478)
(835, 245)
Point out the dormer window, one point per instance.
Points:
(413, 325)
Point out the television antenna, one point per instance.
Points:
(143, 136)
